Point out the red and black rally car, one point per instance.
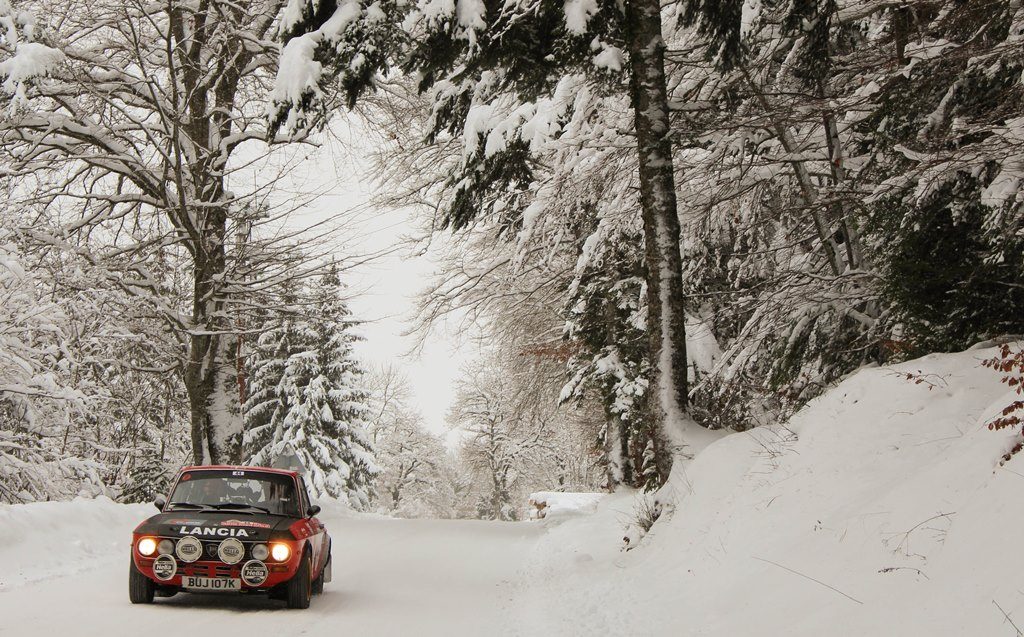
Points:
(234, 529)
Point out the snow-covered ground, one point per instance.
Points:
(391, 577)
(879, 510)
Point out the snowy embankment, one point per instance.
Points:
(879, 509)
(43, 540)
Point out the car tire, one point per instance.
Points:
(318, 583)
(300, 588)
(140, 587)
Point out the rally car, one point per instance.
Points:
(232, 529)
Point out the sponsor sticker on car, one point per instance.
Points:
(247, 523)
(164, 567)
(254, 572)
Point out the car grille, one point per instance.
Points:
(200, 569)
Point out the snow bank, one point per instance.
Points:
(879, 509)
(553, 504)
(43, 540)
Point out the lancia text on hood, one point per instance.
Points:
(213, 531)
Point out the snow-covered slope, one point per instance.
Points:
(44, 540)
(47, 540)
(879, 509)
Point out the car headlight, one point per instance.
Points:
(280, 552)
(165, 547)
(188, 549)
(147, 546)
(260, 552)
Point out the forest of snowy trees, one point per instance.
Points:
(658, 217)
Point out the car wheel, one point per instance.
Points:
(300, 587)
(140, 587)
(318, 583)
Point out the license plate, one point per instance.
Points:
(212, 583)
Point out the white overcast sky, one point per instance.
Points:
(383, 290)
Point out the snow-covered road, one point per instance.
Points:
(391, 577)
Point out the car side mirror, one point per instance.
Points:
(312, 510)
(159, 502)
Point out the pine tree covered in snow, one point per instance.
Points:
(606, 326)
(947, 216)
(147, 478)
(306, 393)
(331, 43)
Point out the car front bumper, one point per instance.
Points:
(278, 572)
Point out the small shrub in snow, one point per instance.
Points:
(646, 512)
(1011, 364)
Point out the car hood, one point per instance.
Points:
(213, 525)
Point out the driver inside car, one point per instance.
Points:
(283, 498)
(209, 492)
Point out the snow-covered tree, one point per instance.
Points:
(147, 478)
(306, 394)
(515, 437)
(606, 329)
(121, 124)
(36, 397)
(944, 130)
(498, 447)
(418, 476)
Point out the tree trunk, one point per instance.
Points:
(666, 327)
(900, 27)
(803, 177)
(210, 376)
(619, 464)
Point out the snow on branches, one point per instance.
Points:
(346, 41)
(36, 399)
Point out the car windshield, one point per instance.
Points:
(237, 491)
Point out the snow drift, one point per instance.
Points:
(879, 509)
(42, 540)
(45, 540)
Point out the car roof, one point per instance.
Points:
(228, 467)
